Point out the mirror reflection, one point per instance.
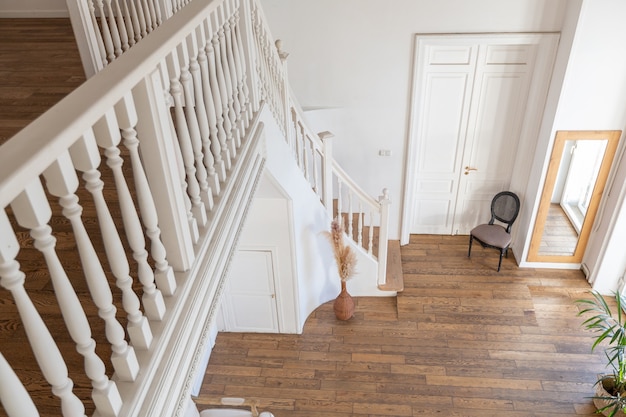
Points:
(575, 181)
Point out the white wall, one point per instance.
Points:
(354, 56)
(33, 8)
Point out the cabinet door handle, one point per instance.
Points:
(468, 169)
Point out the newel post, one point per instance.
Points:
(88, 36)
(289, 134)
(383, 236)
(156, 145)
(327, 171)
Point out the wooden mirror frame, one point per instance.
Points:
(612, 137)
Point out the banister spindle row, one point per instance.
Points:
(86, 159)
(44, 348)
(108, 137)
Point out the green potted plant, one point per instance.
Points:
(609, 326)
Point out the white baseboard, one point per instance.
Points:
(33, 14)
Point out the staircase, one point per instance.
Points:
(114, 273)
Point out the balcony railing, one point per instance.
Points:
(178, 120)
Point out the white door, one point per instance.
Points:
(249, 303)
(469, 104)
(496, 114)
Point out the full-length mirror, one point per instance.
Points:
(577, 173)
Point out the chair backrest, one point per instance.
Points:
(505, 208)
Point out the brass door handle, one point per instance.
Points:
(468, 169)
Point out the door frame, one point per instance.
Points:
(546, 51)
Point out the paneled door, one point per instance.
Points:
(469, 105)
(249, 303)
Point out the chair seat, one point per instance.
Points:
(492, 234)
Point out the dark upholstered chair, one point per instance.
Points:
(504, 209)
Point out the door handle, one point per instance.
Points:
(468, 169)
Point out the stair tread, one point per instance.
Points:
(395, 279)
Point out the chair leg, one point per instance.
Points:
(469, 252)
(500, 262)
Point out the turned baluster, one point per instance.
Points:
(128, 22)
(221, 81)
(157, 10)
(153, 20)
(99, 33)
(121, 26)
(115, 35)
(294, 138)
(214, 149)
(350, 215)
(201, 112)
(86, 158)
(62, 182)
(339, 203)
(13, 396)
(232, 80)
(244, 97)
(146, 13)
(370, 242)
(164, 275)
(106, 32)
(193, 125)
(217, 100)
(230, 105)
(108, 137)
(184, 142)
(360, 224)
(141, 15)
(134, 22)
(314, 162)
(43, 345)
(182, 174)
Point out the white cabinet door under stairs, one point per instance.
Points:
(469, 109)
(249, 303)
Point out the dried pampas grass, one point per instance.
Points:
(344, 255)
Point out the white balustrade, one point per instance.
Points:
(62, 182)
(202, 116)
(108, 136)
(212, 148)
(127, 20)
(193, 127)
(217, 99)
(216, 52)
(45, 349)
(187, 106)
(184, 141)
(133, 20)
(113, 29)
(84, 154)
(121, 26)
(241, 93)
(229, 105)
(164, 275)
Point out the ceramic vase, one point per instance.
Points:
(344, 304)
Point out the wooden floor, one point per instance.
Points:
(559, 236)
(461, 340)
(39, 65)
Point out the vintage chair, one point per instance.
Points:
(504, 208)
